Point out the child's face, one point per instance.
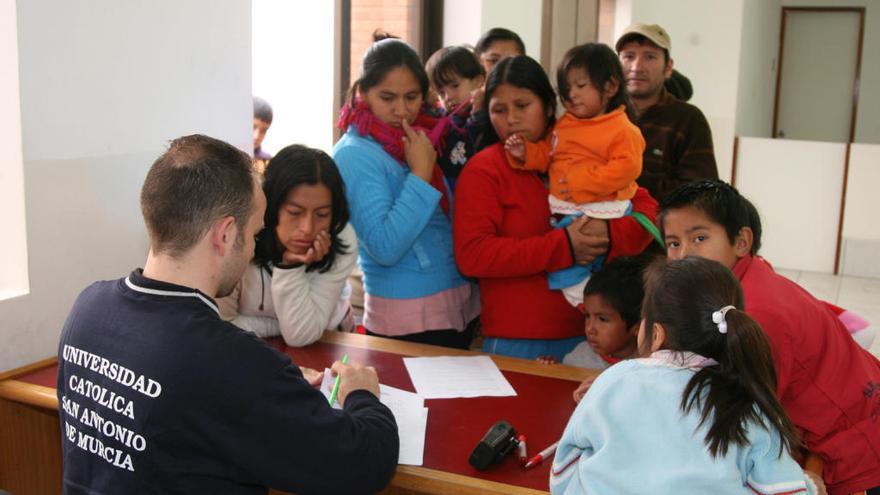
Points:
(586, 101)
(689, 231)
(457, 91)
(606, 331)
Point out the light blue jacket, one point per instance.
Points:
(404, 237)
(629, 436)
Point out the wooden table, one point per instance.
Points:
(30, 439)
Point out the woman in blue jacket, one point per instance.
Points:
(400, 204)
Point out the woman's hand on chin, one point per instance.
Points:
(419, 152)
(319, 249)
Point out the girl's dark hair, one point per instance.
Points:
(721, 202)
(522, 72)
(620, 284)
(450, 62)
(498, 34)
(602, 66)
(383, 56)
(293, 166)
(682, 296)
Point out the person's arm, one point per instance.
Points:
(620, 172)
(387, 224)
(628, 237)
(305, 302)
(480, 251)
(262, 326)
(292, 440)
(535, 156)
(694, 149)
(768, 470)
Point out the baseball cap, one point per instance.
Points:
(653, 32)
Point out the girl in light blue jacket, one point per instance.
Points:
(698, 415)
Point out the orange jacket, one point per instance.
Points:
(590, 160)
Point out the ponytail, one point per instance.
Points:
(738, 389)
(687, 297)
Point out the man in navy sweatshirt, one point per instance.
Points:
(159, 395)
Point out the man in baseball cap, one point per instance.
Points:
(677, 136)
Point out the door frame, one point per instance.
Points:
(856, 81)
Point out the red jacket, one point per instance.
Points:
(503, 237)
(828, 384)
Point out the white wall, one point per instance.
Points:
(758, 67)
(461, 22)
(104, 86)
(861, 230)
(293, 64)
(523, 17)
(868, 118)
(13, 249)
(706, 48)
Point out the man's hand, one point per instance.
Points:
(546, 360)
(314, 377)
(355, 377)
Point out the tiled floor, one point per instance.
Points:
(859, 295)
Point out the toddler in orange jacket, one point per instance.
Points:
(594, 153)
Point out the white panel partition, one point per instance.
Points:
(796, 186)
(861, 228)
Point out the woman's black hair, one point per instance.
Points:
(721, 202)
(602, 67)
(523, 72)
(498, 34)
(450, 62)
(293, 166)
(682, 296)
(381, 58)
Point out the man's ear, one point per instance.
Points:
(658, 337)
(743, 242)
(223, 234)
(667, 71)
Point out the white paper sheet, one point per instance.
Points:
(409, 412)
(448, 377)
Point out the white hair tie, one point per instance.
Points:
(718, 318)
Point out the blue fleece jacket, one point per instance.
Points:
(404, 238)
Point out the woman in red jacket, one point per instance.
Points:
(502, 232)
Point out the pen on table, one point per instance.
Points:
(521, 445)
(336, 383)
(544, 454)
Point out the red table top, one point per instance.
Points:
(540, 410)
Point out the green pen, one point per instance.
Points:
(336, 384)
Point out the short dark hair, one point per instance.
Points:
(641, 39)
(197, 181)
(498, 34)
(382, 57)
(523, 72)
(293, 166)
(683, 296)
(721, 202)
(262, 110)
(620, 284)
(602, 66)
(452, 61)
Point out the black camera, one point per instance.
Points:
(496, 443)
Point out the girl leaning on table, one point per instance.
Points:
(296, 285)
(698, 413)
